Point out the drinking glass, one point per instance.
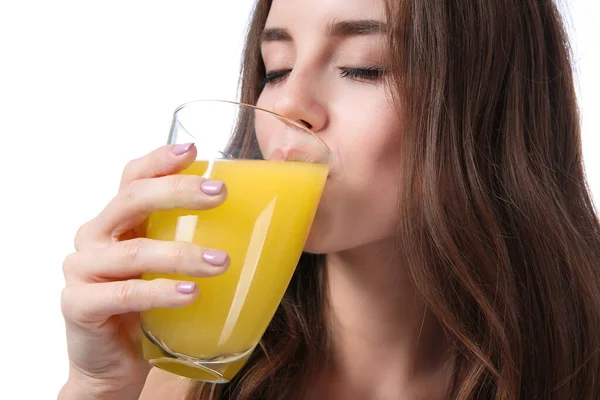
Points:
(275, 170)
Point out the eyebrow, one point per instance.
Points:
(334, 29)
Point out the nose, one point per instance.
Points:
(299, 101)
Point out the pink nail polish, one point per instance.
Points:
(186, 287)
(181, 149)
(215, 257)
(212, 187)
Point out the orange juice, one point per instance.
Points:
(263, 226)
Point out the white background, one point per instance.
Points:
(86, 86)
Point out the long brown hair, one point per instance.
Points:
(496, 222)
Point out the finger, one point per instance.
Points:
(132, 205)
(165, 160)
(131, 258)
(95, 303)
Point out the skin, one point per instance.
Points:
(376, 317)
(104, 295)
(386, 344)
(352, 115)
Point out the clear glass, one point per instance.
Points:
(275, 170)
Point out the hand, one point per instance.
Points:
(104, 293)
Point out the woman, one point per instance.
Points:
(458, 244)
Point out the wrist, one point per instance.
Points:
(79, 387)
(76, 390)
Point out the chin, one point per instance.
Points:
(327, 238)
(324, 241)
(315, 248)
(317, 242)
(325, 235)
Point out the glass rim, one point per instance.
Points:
(239, 103)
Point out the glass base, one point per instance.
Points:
(219, 369)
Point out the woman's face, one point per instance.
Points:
(324, 61)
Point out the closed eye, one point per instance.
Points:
(365, 74)
(368, 73)
(275, 76)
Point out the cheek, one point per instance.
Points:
(369, 142)
(264, 128)
(360, 203)
(371, 167)
(264, 125)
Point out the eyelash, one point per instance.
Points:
(367, 73)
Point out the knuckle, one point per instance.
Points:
(126, 292)
(68, 304)
(178, 255)
(131, 250)
(131, 190)
(81, 235)
(129, 170)
(177, 184)
(69, 265)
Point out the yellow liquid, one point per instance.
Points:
(263, 226)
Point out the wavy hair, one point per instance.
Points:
(496, 222)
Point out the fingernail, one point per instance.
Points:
(186, 287)
(212, 187)
(182, 148)
(215, 257)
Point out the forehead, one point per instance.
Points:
(317, 14)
